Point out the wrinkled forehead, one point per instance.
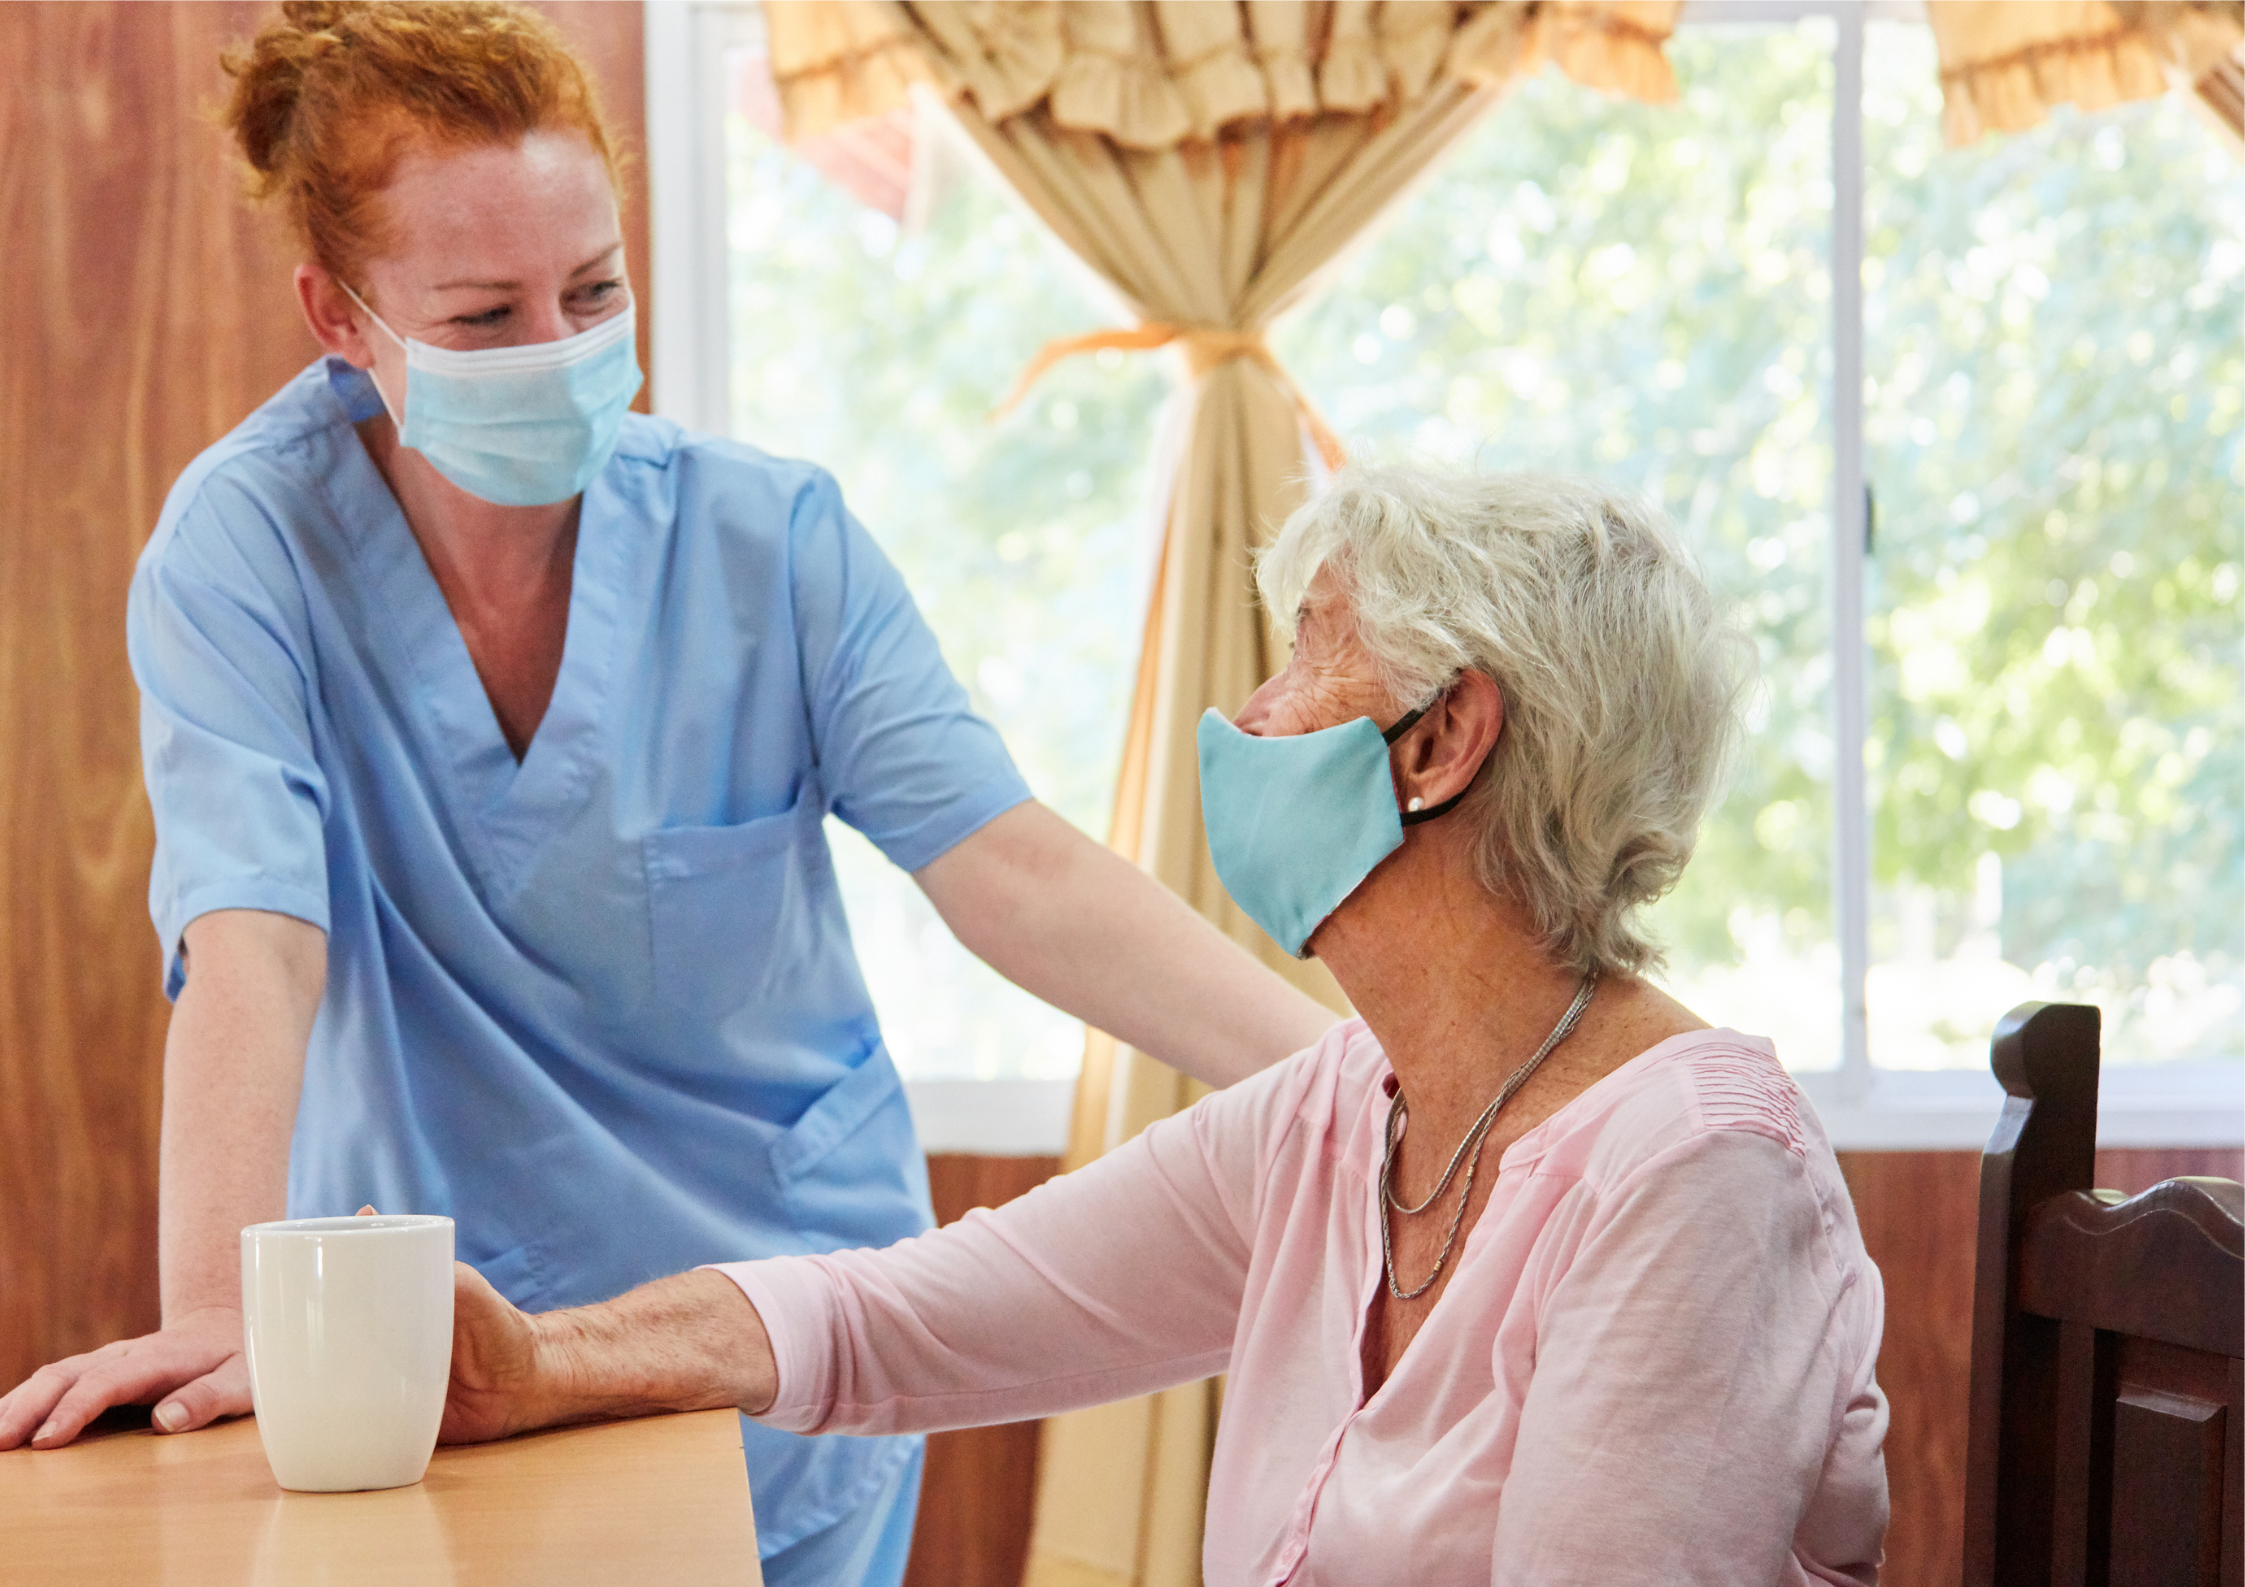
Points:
(1325, 625)
(1325, 603)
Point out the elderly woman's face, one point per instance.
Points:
(1330, 680)
(496, 246)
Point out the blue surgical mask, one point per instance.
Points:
(1296, 824)
(519, 426)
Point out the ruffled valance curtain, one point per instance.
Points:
(1150, 74)
(2004, 63)
(1209, 160)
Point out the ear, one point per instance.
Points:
(1439, 759)
(333, 317)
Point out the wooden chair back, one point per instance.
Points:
(2107, 1431)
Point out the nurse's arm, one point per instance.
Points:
(1076, 924)
(233, 1068)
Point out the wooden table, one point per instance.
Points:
(659, 1500)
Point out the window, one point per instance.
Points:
(2052, 417)
(2050, 793)
(2027, 597)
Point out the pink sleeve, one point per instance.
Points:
(1123, 1277)
(1688, 1377)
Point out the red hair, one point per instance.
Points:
(330, 93)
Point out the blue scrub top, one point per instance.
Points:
(599, 1007)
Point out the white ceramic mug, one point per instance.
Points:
(349, 1329)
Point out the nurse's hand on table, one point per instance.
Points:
(191, 1370)
(687, 1343)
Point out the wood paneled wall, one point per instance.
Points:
(151, 312)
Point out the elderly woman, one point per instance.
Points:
(1526, 1275)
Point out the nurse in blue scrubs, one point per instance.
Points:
(490, 729)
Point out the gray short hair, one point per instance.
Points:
(1622, 681)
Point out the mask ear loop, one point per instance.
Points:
(396, 417)
(1418, 810)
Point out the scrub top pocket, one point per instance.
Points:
(733, 910)
(853, 1160)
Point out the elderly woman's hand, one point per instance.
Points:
(498, 1383)
(502, 1380)
(688, 1343)
(495, 1362)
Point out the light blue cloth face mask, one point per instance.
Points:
(1296, 824)
(519, 426)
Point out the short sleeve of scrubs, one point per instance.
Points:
(216, 625)
(903, 756)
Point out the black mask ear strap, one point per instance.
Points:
(1407, 721)
(1403, 725)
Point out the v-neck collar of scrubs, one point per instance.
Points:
(503, 810)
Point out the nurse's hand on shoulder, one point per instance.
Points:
(192, 1371)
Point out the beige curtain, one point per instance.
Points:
(2004, 63)
(1209, 160)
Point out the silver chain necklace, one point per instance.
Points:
(1473, 1139)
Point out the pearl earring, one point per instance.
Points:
(1416, 804)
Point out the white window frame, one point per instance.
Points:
(686, 43)
(1863, 1107)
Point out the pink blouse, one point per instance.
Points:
(1653, 1363)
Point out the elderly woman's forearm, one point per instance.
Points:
(1075, 924)
(692, 1342)
(1122, 1278)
